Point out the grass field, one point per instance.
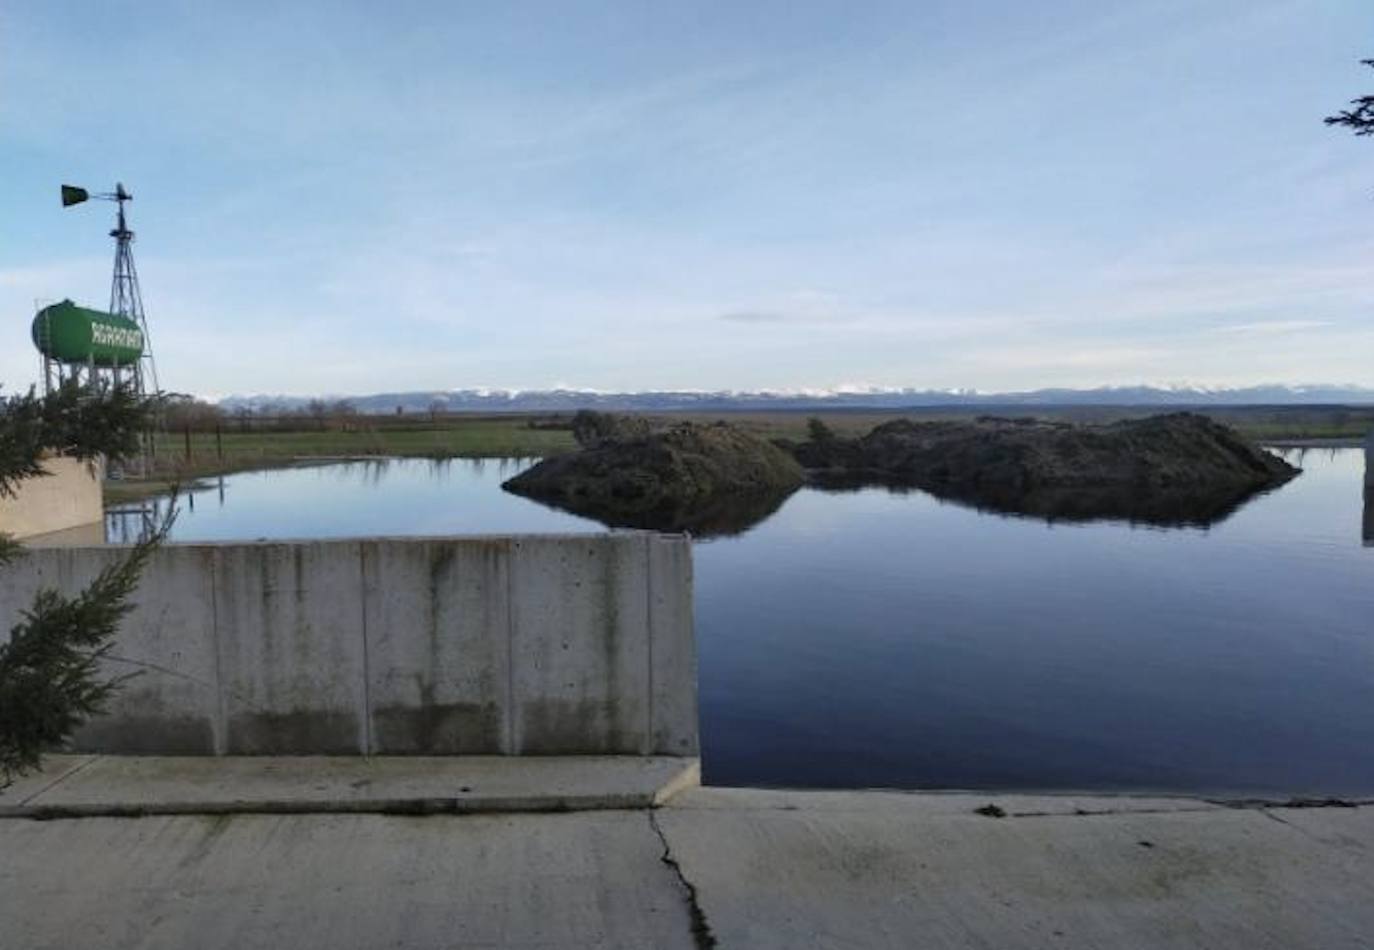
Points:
(186, 456)
(1261, 423)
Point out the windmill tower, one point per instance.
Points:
(126, 299)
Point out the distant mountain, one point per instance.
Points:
(566, 400)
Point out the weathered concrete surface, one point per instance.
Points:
(673, 661)
(171, 705)
(87, 535)
(337, 882)
(289, 636)
(1367, 522)
(859, 869)
(715, 867)
(1369, 461)
(437, 679)
(441, 646)
(122, 786)
(68, 496)
(580, 665)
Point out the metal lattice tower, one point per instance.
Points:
(126, 300)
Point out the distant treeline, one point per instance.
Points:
(186, 413)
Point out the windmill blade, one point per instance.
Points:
(72, 195)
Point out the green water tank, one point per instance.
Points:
(71, 334)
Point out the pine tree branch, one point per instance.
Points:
(50, 679)
(1360, 119)
(80, 421)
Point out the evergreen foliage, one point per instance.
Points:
(50, 670)
(74, 420)
(1359, 119)
(818, 431)
(50, 678)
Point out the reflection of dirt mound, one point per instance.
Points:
(717, 516)
(708, 479)
(1172, 469)
(1163, 508)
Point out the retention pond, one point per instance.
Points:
(880, 638)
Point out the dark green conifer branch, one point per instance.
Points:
(1360, 118)
(50, 679)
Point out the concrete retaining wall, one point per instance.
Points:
(520, 645)
(1367, 527)
(1369, 461)
(68, 496)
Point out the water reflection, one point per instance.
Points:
(1182, 508)
(346, 499)
(132, 522)
(1331, 455)
(731, 514)
(716, 516)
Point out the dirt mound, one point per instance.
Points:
(1171, 469)
(591, 428)
(708, 479)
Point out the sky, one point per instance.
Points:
(349, 198)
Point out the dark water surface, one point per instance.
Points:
(874, 638)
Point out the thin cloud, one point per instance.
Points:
(1273, 328)
(777, 317)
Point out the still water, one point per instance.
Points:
(874, 638)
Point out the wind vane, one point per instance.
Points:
(74, 338)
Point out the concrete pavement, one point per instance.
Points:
(841, 870)
(299, 882)
(76, 786)
(709, 867)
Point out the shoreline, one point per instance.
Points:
(1339, 442)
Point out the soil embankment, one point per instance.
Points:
(706, 479)
(1179, 468)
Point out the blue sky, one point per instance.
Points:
(351, 198)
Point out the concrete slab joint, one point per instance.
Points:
(537, 645)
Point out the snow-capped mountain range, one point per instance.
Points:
(562, 400)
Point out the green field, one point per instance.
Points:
(478, 438)
(1261, 423)
(186, 455)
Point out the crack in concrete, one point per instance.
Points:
(59, 780)
(1301, 831)
(1208, 804)
(702, 935)
(1263, 803)
(1109, 812)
